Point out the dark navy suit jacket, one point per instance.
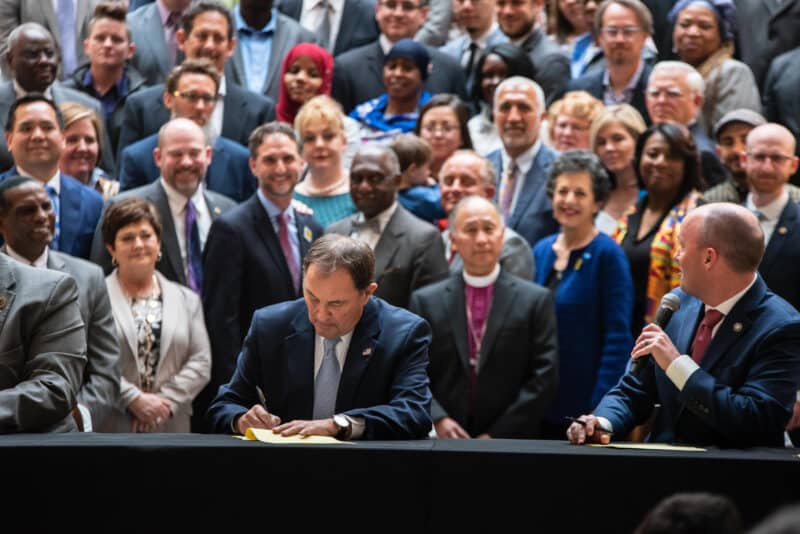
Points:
(782, 256)
(244, 270)
(228, 174)
(744, 391)
(358, 26)
(79, 211)
(532, 217)
(593, 84)
(384, 378)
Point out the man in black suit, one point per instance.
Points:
(769, 162)
(182, 156)
(409, 253)
(207, 33)
(518, 21)
(780, 96)
(352, 27)
(675, 93)
(358, 74)
(253, 253)
(494, 358)
(624, 28)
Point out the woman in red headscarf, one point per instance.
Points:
(307, 71)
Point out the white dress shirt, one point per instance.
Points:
(368, 236)
(524, 162)
(772, 213)
(311, 17)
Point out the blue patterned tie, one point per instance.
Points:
(326, 386)
(194, 253)
(55, 201)
(66, 27)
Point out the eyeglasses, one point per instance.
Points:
(626, 31)
(672, 94)
(776, 159)
(406, 7)
(194, 97)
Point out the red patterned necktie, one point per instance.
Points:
(703, 336)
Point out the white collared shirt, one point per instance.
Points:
(341, 355)
(524, 162)
(312, 13)
(481, 281)
(39, 263)
(368, 236)
(684, 366)
(385, 43)
(213, 128)
(177, 207)
(22, 92)
(771, 211)
(481, 41)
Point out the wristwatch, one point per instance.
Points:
(344, 426)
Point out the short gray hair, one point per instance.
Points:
(451, 218)
(15, 34)
(521, 80)
(332, 252)
(487, 173)
(574, 161)
(693, 78)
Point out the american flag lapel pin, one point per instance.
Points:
(366, 352)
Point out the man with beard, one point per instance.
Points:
(190, 92)
(206, 32)
(185, 206)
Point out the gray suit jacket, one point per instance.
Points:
(100, 387)
(437, 23)
(151, 58)
(288, 33)
(550, 64)
(516, 257)
(171, 264)
(184, 364)
(459, 46)
(16, 12)
(60, 94)
(409, 255)
(42, 349)
(357, 27)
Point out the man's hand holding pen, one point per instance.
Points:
(258, 416)
(587, 428)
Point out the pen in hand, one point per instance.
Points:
(597, 428)
(261, 398)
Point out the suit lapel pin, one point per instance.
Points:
(782, 230)
(366, 352)
(3, 302)
(737, 327)
(217, 211)
(307, 234)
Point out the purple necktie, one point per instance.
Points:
(194, 253)
(286, 247)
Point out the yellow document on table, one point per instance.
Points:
(267, 436)
(650, 447)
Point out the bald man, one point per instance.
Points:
(726, 368)
(769, 162)
(182, 156)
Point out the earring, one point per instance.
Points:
(114, 261)
(158, 259)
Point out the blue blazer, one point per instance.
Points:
(594, 304)
(79, 211)
(228, 174)
(533, 215)
(384, 378)
(778, 266)
(744, 391)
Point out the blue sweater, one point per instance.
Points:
(593, 311)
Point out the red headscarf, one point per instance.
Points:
(287, 108)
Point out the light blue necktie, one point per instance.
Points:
(55, 201)
(66, 27)
(326, 386)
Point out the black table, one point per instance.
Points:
(198, 483)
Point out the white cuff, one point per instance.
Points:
(86, 415)
(680, 370)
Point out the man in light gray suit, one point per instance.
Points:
(409, 253)
(152, 32)
(257, 17)
(464, 174)
(43, 348)
(14, 13)
(27, 221)
(181, 181)
(33, 58)
(355, 26)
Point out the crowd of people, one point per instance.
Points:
(401, 219)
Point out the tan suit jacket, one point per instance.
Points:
(184, 365)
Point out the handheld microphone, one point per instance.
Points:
(669, 305)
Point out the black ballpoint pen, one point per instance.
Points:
(261, 398)
(597, 428)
